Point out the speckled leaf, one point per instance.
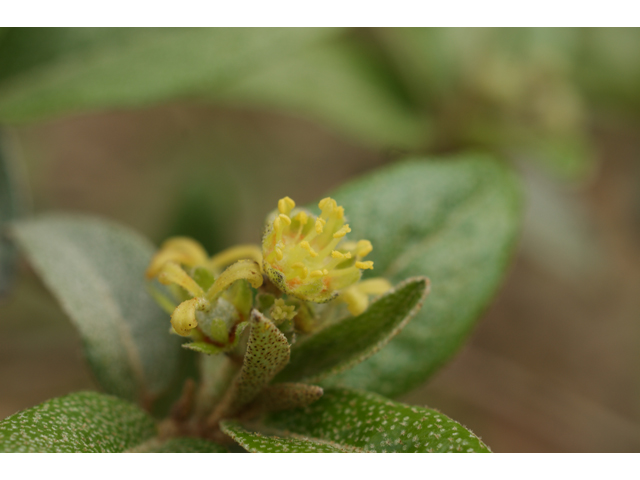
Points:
(284, 396)
(365, 422)
(339, 83)
(256, 442)
(45, 72)
(267, 353)
(179, 445)
(344, 344)
(80, 422)
(12, 205)
(454, 220)
(96, 270)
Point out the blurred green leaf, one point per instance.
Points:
(284, 396)
(352, 421)
(80, 422)
(12, 206)
(203, 347)
(96, 271)
(46, 71)
(340, 84)
(453, 220)
(346, 343)
(608, 69)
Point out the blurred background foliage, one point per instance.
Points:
(200, 131)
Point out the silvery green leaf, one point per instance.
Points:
(346, 343)
(454, 220)
(95, 269)
(79, 422)
(46, 72)
(355, 421)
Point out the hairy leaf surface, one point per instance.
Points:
(350, 341)
(355, 421)
(79, 422)
(96, 271)
(452, 220)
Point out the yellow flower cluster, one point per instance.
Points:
(308, 256)
(304, 255)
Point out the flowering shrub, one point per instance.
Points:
(285, 338)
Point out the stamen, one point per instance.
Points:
(363, 248)
(317, 273)
(357, 302)
(302, 217)
(279, 254)
(304, 271)
(233, 254)
(365, 265)
(309, 249)
(374, 286)
(281, 311)
(285, 219)
(171, 272)
(183, 318)
(181, 250)
(244, 269)
(342, 232)
(326, 202)
(320, 223)
(285, 205)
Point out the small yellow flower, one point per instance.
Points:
(307, 256)
(176, 254)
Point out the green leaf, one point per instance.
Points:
(256, 442)
(350, 341)
(285, 396)
(45, 72)
(267, 353)
(12, 206)
(203, 347)
(353, 421)
(340, 84)
(453, 220)
(96, 271)
(179, 445)
(80, 422)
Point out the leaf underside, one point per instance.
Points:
(96, 271)
(355, 421)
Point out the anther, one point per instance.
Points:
(320, 223)
(365, 265)
(317, 273)
(279, 254)
(285, 219)
(308, 248)
(302, 217)
(285, 205)
(363, 248)
(342, 232)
